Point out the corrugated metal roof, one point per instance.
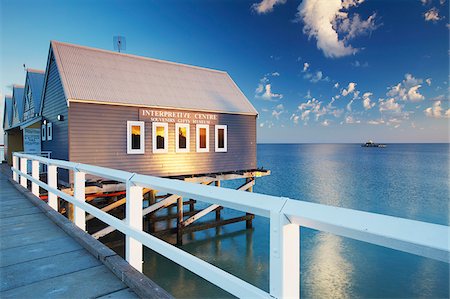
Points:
(18, 91)
(8, 112)
(90, 74)
(36, 82)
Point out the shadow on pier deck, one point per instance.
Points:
(38, 259)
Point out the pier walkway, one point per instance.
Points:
(39, 260)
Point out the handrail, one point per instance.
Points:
(286, 216)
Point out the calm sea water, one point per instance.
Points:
(405, 180)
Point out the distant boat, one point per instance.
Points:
(370, 143)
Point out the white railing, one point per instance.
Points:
(286, 216)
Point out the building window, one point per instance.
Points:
(135, 137)
(160, 137)
(44, 132)
(182, 138)
(221, 138)
(50, 131)
(202, 136)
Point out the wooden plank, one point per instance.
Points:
(46, 268)
(88, 283)
(247, 185)
(109, 207)
(199, 215)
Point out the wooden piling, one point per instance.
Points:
(248, 222)
(151, 216)
(180, 221)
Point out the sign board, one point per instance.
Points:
(32, 140)
(177, 116)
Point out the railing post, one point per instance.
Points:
(133, 248)
(79, 193)
(52, 181)
(35, 175)
(23, 169)
(284, 257)
(16, 167)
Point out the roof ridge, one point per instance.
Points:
(8, 96)
(18, 86)
(30, 70)
(137, 56)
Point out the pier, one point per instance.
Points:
(286, 216)
(40, 259)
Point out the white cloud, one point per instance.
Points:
(264, 89)
(305, 66)
(375, 122)
(349, 106)
(324, 20)
(425, 2)
(414, 95)
(275, 74)
(317, 77)
(350, 120)
(266, 6)
(428, 81)
(406, 90)
(436, 111)
(350, 89)
(359, 64)
(308, 95)
(336, 85)
(367, 103)
(305, 115)
(269, 95)
(325, 123)
(276, 114)
(432, 15)
(279, 107)
(389, 105)
(411, 81)
(295, 118)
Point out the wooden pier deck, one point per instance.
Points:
(40, 260)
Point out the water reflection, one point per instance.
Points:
(328, 272)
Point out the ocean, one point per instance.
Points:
(404, 180)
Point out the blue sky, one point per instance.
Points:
(316, 70)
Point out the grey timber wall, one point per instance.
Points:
(98, 136)
(55, 103)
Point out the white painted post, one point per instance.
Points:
(284, 257)
(52, 181)
(15, 166)
(23, 169)
(79, 192)
(133, 248)
(35, 175)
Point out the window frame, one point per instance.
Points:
(166, 138)
(225, 138)
(44, 132)
(188, 138)
(49, 131)
(197, 138)
(130, 150)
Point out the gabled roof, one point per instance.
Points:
(95, 75)
(7, 112)
(17, 96)
(35, 79)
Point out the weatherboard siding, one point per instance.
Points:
(55, 103)
(98, 136)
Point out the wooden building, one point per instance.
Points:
(144, 115)
(21, 119)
